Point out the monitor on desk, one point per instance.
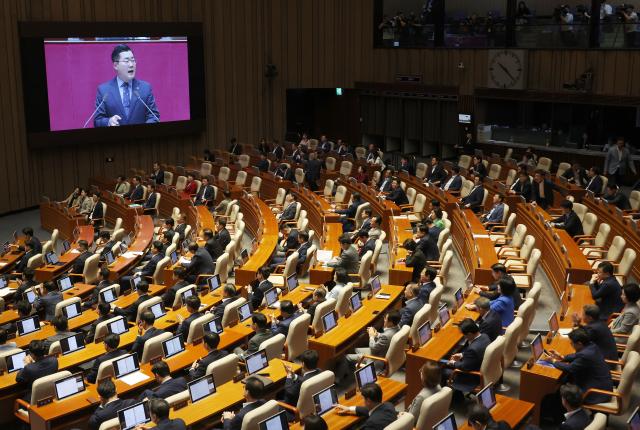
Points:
(66, 245)
(30, 295)
(449, 423)
(554, 325)
(71, 311)
(365, 375)
(292, 282)
(424, 333)
(108, 257)
(135, 280)
(487, 397)
(3, 282)
(459, 296)
(469, 282)
(244, 312)
(125, 365)
(329, 321)
(118, 326)
(174, 257)
(214, 326)
(158, 310)
(325, 399)
(443, 314)
(185, 244)
(52, 258)
(108, 295)
(375, 285)
(271, 297)
(72, 343)
(172, 346)
(65, 284)
(356, 302)
(278, 421)
(201, 388)
(256, 362)
(536, 347)
(28, 325)
(244, 255)
(123, 247)
(134, 415)
(188, 293)
(213, 283)
(15, 361)
(634, 420)
(69, 385)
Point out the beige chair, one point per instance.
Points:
(360, 151)
(525, 280)
(223, 369)
(396, 354)
(253, 418)
(343, 303)
(376, 255)
(241, 178)
(626, 264)
(632, 344)
(158, 273)
(421, 170)
(181, 183)
(230, 314)
(421, 317)
(205, 169)
(274, 346)
(55, 234)
(364, 272)
(41, 389)
(509, 256)
(289, 268)
(256, 184)
(544, 163)
(404, 422)
(415, 214)
(519, 234)
(46, 248)
(580, 210)
(443, 273)
(168, 178)
(176, 399)
(587, 243)
(434, 408)
(90, 271)
(35, 261)
(464, 161)
(346, 167)
(196, 328)
(494, 171)
(621, 395)
(223, 174)
(411, 195)
(527, 312)
(341, 195)
(322, 309)
(153, 347)
(612, 254)
(605, 182)
(511, 349)
(64, 303)
(119, 234)
(299, 176)
(534, 292)
(102, 329)
(634, 201)
(297, 340)
(279, 200)
(311, 386)
(146, 305)
(599, 422)
(467, 185)
(434, 302)
(222, 267)
(490, 369)
(589, 223)
(327, 191)
(562, 167)
(502, 236)
(511, 177)
(330, 164)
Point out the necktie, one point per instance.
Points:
(126, 98)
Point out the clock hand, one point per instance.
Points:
(506, 71)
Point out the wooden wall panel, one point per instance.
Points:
(313, 43)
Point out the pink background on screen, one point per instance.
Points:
(74, 71)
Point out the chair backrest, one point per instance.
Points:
(118, 225)
(330, 163)
(467, 185)
(231, 311)
(241, 178)
(205, 169)
(223, 174)
(35, 261)
(310, 387)
(196, 328)
(91, 269)
(562, 167)
(464, 161)
(434, 408)
(485, 196)
(223, 369)
(112, 424)
(222, 266)
(434, 301)
(396, 354)
(280, 196)
(599, 422)
(629, 373)
(580, 210)
(290, 264)
(47, 248)
(444, 235)
(274, 346)
(605, 181)
(44, 387)
(360, 151)
(511, 341)
(494, 171)
(375, 176)
(64, 303)
(253, 418)
(518, 236)
(627, 261)
(153, 347)
(181, 183)
(411, 195)
(447, 260)
(328, 188)
(299, 175)
(616, 248)
(419, 318)
(365, 268)
(244, 160)
(544, 163)
(526, 311)
(341, 193)
(54, 238)
(511, 177)
(146, 305)
(168, 178)
(343, 303)
(102, 329)
(323, 308)
(421, 170)
(534, 293)
(419, 203)
(376, 254)
(589, 223)
(256, 184)
(297, 340)
(158, 274)
(345, 168)
(527, 247)
(491, 367)
(404, 422)
(634, 200)
(4, 354)
(181, 397)
(118, 234)
(633, 343)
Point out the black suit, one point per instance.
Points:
(204, 362)
(223, 237)
(183, 328)
(398, 196)
(263, 165)
(235, 149)
(474, 198)
(158, 178)
(429, 248)
(479, 169)
(491, 325)
(27, 375)
(577, 421)
(169, 296)
(258, 293)
(379, 417)
(292, 386)
(78, 264)
(201, 263)
(131, 312)
(278, 151)
(97, 212)
(618, 199)
(167, 424)
(205, 194)
(236, 422)
(547, 200)
(214, 248)
(312, 173)
(22, 264)
(166, 389)
(595, 185)
(370, 245)
(587, 369)
(418, 261)
(138, 344)
(136, 194)
(425, 291)
(150, 203)
(93, 372)
(438, 174)
(607, 295)
(92, 330)
(471, 360)
(523, 189)
(108, 411)
(570, 223)
(603, 338)
(218, 311)
(180, 229)
(150, 268)
(384, 184)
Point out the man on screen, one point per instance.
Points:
(122, 100)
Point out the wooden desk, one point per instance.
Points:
(400, 229)
(48, 272)
(319, 274)
(8, 260)
(336, 342)
(53, 215)
(138, 247)
(513, 411)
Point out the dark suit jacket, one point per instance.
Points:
(131, 312)
(150, 267)
(578, 421)
(223, 237)
(169, 296)
(278, 151)
(289, 212)
(547, 201)
(438, 174)
(236, 422)
(258, 293)
(150, 203)
(618, 199)
(282, 326)
(97, 212)
(302, 252)
(292, 386)
(425, 291)
(523, 189)
(474, 199)
(158, 178)
(92, 330)
(109, 411)
(398, 196)
(205, 193)
(166, 389)
(384, 184)
(479, 168)
(214, 248)
(370, 245)
(22, 264)
(138, 113)
(136, 193)
(409, 311)
(603, 338)
(138, 344)
(570, 223)
(594, 185)
(201, 262)
(27, 375)
(180, 229)
(607, 295)
(587, 369)
(204, 362)
(218, 311)
(351, 210)
(429, 248)
(263, 165)
(418, 261)
(93, 372)
(472, 356)
(312, 170)
(235, 149)
(379, 417)
(491, 325)
(48, 302)
(456, 184)
(78, 264)
(183, 328)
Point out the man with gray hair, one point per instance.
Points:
(490, 322)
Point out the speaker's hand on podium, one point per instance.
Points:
(114, 121)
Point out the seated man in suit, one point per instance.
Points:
(25, 282)
(411, 306)
(262, 286)
(569, 220)
(146, 331)
(152, 197)
(576, 174)
(131, 312)
(24, 260)
(112, 350)
(347, 215)
(48, 302)
(253, 394)
(542, 189)
(397, 194)
(379, 415)
(285, 172)
(288, 314)
(221, 209)
(470, 359)
(384, 185)
(78, 263)
(319, 296)
(496, 213)
(180, 275)
(492, 292)
(474, 199)
(147, 271)
(454, 183)
(104, 314)
(294, 381)
(213, 246)
(378, 342)
(109, 405)
(365, 244)
(576, 418)
(159, 414)
(479, 418)
(426, 243)
(61, 326)
(192, 304)
(36, 365)
(222, 236)
(167, 386)
(29, 237)
(303, 246)
(614, 196)
(427, 283)
(263, 164)
(260, 325)
(598, 330)
(181, 228)
(348, 258)
(289, 208)
(366, 215)
(586, 367)
(437, 174)
(205, 194)
(136, 192)
(201, 263)
(235, 148)
(594, 182)
(490, 322)
(229, 294)
(522, 186)
(289, 240)
(415, 258)
(95, 217)
(210, 341)
(606, 290)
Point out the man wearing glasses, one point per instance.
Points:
(124, 100)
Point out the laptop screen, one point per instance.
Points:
(365, 375)
(214, 282)
(325, 399)
(459, 298)
(449, 423)
(125, 365)
(244, 312)
(201, 388)
(69, 386)
(256, 362)
(188, 293)
(158, 310)
(214, 326)
(356, 302)
(487, 397)
(30, 295)
(52, 257)
(28, 325)
(66, 245)
(172, 346)
(117, 327)
(554, 326)
(536, 347)
(276, 422)
(108, 295)
(72, 343)
(135, 280)
(329, 321)
(424, 333)
(292, 282)
(271, 296)
(15, 361)
(375, 285)
(108, 257)
(72, 310)
(65, 283)
(443, 313)
(634, 421)
(3, 283)
(133, 415)
(174, 257)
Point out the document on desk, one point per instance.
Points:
(132, 254)
(565, 331)
(75, 251)
(134, 378)
(184, 260)
(324, 255)
(4, 292)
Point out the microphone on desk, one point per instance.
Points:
(137, 94)
(104, 99)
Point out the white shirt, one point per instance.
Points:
(605, 10)
(448, 184)
(570, 413)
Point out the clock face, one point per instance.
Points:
(506, 69)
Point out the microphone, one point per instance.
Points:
(104, 99)
(137, 94)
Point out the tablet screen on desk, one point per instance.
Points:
(172, 346)
(292, 282)
(125, 365)
(424, 333)
(174, 257)
(329, 321)
(459, 298)
(135, 280)
(487, 397)
(158, 310)
(133, 415)
(634, 421)
(108, 295)
(365, 375)
(72, 343)
(375, 285)
(188, 293)
(275, 422)
(66, 245)
(201, 388)
(72, 310)
(536, 347)
(256, 362)
(108, 257)
(65, 283)
(52, 258)
(325, 399)
(118, 326)
(244, 312)
(69, 386)
(28, 325)
(214, 326)
(271, 296)
(15, 361)
(356, 302)
(214, 283)
(449, 423)
(443, 313)
(30, 295)
(554, 326)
